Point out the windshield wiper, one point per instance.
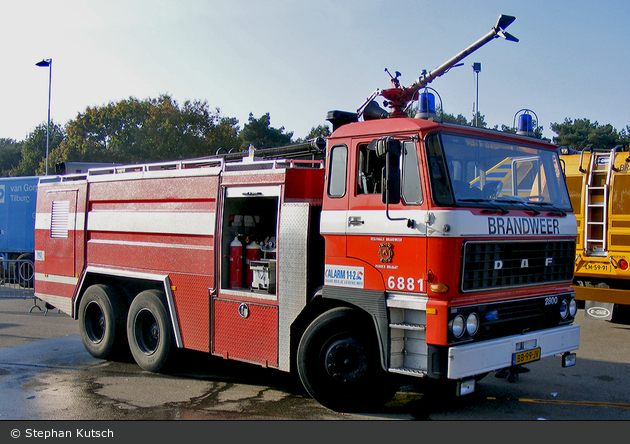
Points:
(487, 201)
(555, 210)
(520, 202)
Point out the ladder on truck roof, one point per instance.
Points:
(597, 199)
(307, 154)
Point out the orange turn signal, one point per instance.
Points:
(439, 288)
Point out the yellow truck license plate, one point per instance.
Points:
(526, 356)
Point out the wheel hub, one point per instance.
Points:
(147, 331)
(96, 322)
(345, 360)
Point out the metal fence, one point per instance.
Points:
(16, 278)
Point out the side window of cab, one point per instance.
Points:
(370, 170)
(411, 190)
(337, 171)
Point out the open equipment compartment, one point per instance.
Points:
(250, 218)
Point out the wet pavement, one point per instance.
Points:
(44, 378)
(46, 374)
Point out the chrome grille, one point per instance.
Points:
(493, 265)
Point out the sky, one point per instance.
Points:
(297, 60)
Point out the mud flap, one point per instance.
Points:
(602, 311)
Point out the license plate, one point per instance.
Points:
(596, 266)
(526, 356)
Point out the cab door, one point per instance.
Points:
(389, 238)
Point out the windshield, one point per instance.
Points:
(470, 171)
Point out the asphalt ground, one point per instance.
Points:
(41, 346)
(22, 321)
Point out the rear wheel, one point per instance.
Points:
(102, 321)
(149, 330)
(338, 363)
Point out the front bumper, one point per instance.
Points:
(477, 358)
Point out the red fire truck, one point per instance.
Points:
(400, 247)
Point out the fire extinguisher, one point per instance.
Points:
(236, 263)
(252, 253)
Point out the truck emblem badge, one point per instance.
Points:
(386, 252)
(243, 310)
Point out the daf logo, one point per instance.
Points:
(498, 264)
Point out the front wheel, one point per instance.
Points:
(338, 363)
(149, 330)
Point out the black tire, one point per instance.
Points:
(339, 365)
(149, 330)
(621, 314)
(102, 322)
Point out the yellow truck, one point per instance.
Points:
(598, 181)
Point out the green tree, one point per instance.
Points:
(580, 133)
(624, 136)
(10, 155)
(261, 134)
(460, 119)
(33, 161)
(151, 130)
(318, 131)
(507, 129)
(480, 121)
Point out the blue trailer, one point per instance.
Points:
(18, 197)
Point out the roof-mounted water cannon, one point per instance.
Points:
(398, 97)
(526, 124)
(394, 79)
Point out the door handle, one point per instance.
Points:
(354, 221)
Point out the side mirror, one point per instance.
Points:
(385, 146)
(390, 149)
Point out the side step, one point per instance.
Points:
(408, 372)
(406, 326)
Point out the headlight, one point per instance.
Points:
(573, 307)
(564, 309)
(472, 324)
(458, 326)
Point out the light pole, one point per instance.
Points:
(477, 69)
(47, 63)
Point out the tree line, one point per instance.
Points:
(572, 133)
(140, 131)
(152, 130)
